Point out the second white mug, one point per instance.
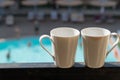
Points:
(95, 43)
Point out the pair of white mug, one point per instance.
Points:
(65, 40)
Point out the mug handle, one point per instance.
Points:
(115, 43)
(40, 40)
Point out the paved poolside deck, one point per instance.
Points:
(27, 27)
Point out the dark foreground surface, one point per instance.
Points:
(47, 71)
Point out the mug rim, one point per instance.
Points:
(99, 28)
(76, 30)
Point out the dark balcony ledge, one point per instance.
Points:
(45, 71)
(50, 65)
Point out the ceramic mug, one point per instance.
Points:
(95, 44)
(64, 43)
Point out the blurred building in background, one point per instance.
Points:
(64, 10)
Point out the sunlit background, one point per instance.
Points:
(22, 22)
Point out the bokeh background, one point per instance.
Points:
(25, 18)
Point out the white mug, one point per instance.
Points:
(64, 42)
(95, 43)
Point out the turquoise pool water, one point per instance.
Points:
(20, 52)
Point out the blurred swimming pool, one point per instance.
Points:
(20, 52)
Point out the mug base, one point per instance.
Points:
(94, 66)
(62, 66)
